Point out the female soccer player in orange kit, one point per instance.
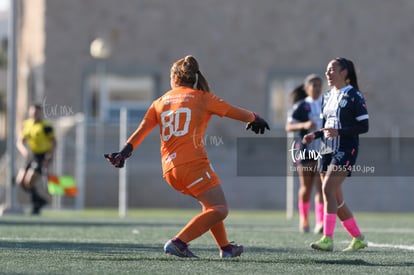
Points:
(182, 115)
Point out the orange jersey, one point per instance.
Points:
(182, 115)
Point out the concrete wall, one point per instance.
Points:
(238, 44)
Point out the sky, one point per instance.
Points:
(4, 18)
(4, 4)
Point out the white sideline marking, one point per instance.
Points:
(389, 230)
(398, 246)
(77, 241)
(20, 240)
(386, 245)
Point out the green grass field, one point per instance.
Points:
(98, 242)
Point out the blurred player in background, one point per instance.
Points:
(345, 117)
(182, 115)
(305, 116)
(36, 144)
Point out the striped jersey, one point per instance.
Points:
(342, 109)
(305, 110)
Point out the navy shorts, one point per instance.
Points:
(344, 160)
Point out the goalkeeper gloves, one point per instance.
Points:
(118, 159)
(258, 125)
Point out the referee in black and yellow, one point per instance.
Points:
(36, 143)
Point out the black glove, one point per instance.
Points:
(118, 159)
(258, 124)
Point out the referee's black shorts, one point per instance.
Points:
(36, 163)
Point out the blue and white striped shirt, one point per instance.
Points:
(342, 109)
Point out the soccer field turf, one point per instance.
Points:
(98, 242)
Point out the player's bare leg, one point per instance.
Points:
(319, 204)
(28, 181)
(350, 225)
(20, 178)
(331, 185)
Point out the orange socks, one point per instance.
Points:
(210, 219)
(219, 234)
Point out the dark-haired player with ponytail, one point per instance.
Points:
(345, 117)
(304, 117)
(182, 115)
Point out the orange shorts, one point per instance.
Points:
(193, 178)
